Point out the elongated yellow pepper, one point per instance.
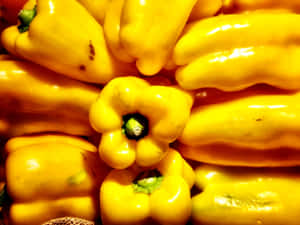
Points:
(134, 196)
(146, 30)
(34, 99)
(224, 32)
(213, 55)
(65, 38)
(138, 120)
(260, 122)
(237, 69)
(50, 176)
(252, 196)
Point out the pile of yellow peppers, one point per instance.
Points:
(139, 112)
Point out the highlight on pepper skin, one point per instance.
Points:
(138, 120)
(235, 196)
(34, 99)
(211, 54)
(44, 185)
(155, 194)
(136, 30)
(47, 29)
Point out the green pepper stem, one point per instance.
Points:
(26, 16)
(135, 126)
(147, 182)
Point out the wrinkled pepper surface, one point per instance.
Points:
(34, 99)
(70, 42)
(146, 30)
(138, 120)
(50, 176)
(213, 54)
(161, 194)
(252, 196)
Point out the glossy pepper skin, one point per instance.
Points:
(97, 8)
(231, 52)
(44, 185)
(244, 130)
(247, 122)
(166, 110)
(205, 8)
(247, 197)
(146, 30)
(34, 99)
(121, 204)
(55, 29)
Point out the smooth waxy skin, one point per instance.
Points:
(34, 99)
(224, 32)
(97, 8)
(44, 185)
(205, 8)
(236, 69)
(166, 109)
(259, 122)
(248, 197)
(147, 30)
(112, 25)
(55, 29)
(121, 205)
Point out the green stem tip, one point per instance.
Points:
(135, 126)
(147, 182)
(26, 16)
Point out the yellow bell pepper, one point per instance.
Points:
(65, 38)
(112, 25)
(205, 8)
(147, 30)
(227, 155)
(160, 194)
(212, 54)
(257, 130)
(97, 8)
(247, 122)
(253, 196)
(224, 32)
(138, 120)
(50, 176)
(34, 99)
(240, 68)
(245, 5)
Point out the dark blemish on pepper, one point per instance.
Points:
(92, 51)
(258, 119)
(82, 67)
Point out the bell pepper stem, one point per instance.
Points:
(135, 126)
(26, 16)
(147, 182)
